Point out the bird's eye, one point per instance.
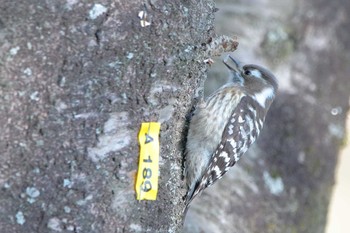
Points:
(247, 72)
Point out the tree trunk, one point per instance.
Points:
(77, 81)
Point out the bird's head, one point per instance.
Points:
(256, 80)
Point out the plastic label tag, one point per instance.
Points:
(147, 175)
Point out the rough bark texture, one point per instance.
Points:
(77, 79)
(283, 184)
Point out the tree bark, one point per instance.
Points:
(77, 81)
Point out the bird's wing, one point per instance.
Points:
(238, 135)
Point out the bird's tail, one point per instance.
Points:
(191, 194)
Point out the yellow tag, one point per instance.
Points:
(147, 175)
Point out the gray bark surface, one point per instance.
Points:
(77, 79)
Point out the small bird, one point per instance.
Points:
(225, 125)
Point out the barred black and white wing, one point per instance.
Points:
(240, 132)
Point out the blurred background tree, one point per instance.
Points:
(284, 183)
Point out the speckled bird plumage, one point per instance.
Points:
(225, 125)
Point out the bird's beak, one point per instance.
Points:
(235, 70)
(236, 65)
